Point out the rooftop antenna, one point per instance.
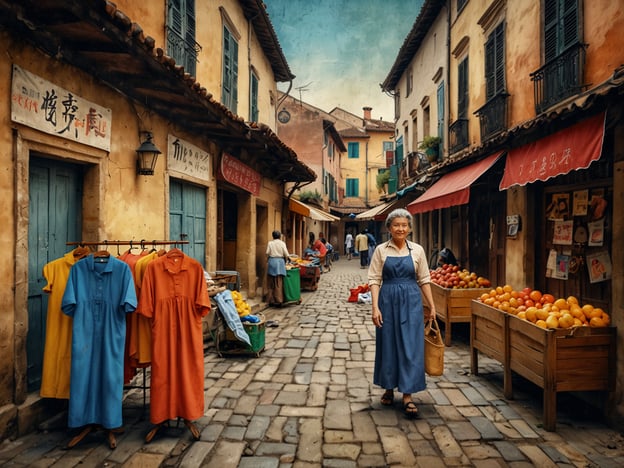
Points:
(303, 88)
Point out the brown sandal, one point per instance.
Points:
(410, 409)
(194, 431)
(387, 399)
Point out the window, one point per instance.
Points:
(561, 20)
(181, 43)
(495, 62)
(462, 89)
(253, 98)
(406, 137)
(441, 111)
(426, 121)
(229, 91)
(409, 83)
(352, 188)
(414, 132)
(354, 150)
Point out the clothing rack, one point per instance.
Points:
(142, 244)
(132, 243)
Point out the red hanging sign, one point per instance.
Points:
(239, 174)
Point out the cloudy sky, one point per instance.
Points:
(341, 50)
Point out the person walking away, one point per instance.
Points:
(349, 245)
(372, 243)
(399, 281)
(277, 254)
(361, 245)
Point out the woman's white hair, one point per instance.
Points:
(399, 213)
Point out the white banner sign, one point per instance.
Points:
(44, 106)
(187, 158)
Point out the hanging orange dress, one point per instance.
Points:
(58, 341)
(175, 297)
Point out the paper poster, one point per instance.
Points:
(599, 266)
(597, 205)
(580, 200)
(596, 233)
(561, 272)
(563, 232)
(559, 207)
(551, 263)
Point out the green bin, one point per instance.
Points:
(292, 286)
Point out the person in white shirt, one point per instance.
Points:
(277, 255)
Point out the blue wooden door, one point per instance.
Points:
(55, 192)
(187, 218)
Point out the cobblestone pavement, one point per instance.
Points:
(308, 401)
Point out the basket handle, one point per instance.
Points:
(432, 324)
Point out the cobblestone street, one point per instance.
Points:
(308, 401)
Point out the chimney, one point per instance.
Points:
(367, 112)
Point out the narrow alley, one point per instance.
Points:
(308, 401)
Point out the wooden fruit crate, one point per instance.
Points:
(560, 360)
(453, 306)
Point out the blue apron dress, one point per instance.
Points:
(400, 345)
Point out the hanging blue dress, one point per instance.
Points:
(400, 345)
(98, 295)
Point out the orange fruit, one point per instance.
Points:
(547, 299)
(552, 321)
(499, 290)
(596, 313)
(572, 300)
(507, 288)
(597, 322)
(606, 319)
(531, 314)
(535, 295)
(576, 311)
(483, 297)
(561, 303)
(541, 314)
(566, 321)
(490, 301)
(587, 309)
(577, 322)
(541, 324)
(522, 315)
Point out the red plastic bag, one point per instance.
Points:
(362, 288)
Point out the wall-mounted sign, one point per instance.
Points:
(42, 105)
(187, 158)
(239, 174)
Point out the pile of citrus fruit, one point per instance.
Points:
(544, 310)
(452, 276)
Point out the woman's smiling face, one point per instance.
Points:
(399, 228)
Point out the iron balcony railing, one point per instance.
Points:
(458, 135)
(184, 52)
(560, 78)
(493, 116)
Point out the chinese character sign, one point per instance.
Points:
(184, 157)
(44, 106)
(239, 174)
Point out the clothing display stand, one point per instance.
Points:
(103, 250)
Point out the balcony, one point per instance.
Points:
(184, 52)
(493, 116)
(458, 135)
(560, 78)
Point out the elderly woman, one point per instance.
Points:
(277, 254)
(399, 280)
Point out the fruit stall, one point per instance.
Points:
(453, 290)
(557, 357)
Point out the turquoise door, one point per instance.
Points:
(187, 218)
(55, 192)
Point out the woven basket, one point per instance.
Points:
(434, 349)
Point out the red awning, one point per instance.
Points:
(575, 147)
(453, 188)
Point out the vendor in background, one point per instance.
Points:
(277, 254)
(319, 246)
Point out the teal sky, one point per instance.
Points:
(341, 50)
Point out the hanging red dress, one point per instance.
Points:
(175, 297)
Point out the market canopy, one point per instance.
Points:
(575, 147)
(374, 211)
(310, 212)
(453, 188)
